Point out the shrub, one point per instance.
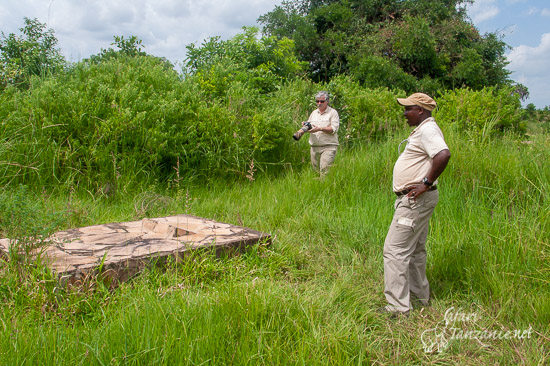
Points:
(483, 113)
(365, 114)
(107, 125)
(134, 120)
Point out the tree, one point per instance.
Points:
(126, 47)
(432, 41)
(260, 63)
(130, 47)
(32, 53)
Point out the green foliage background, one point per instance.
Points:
(427, 46)
(132, 120)
(123, 118)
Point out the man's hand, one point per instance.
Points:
(417, 190)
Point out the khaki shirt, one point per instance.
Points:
(328, 118)
(424, 142)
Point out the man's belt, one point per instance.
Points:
(406, 191)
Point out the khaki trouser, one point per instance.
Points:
(322, 157)
(405, 251)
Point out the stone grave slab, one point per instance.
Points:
(123, 249)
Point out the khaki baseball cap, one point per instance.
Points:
(419, 99)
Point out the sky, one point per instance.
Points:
(525, 26)
(85, 27)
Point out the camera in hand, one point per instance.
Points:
(298, 135)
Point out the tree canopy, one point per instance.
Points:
(32, 53)
(259, 62)
(408, 44)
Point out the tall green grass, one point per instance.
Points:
(311, 297)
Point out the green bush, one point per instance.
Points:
(481, 114)
(107, 125)
(125, 121)
(365, 114)
(376, 71)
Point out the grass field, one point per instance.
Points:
(311, 297)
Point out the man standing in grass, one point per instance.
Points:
(323, 137)
(415, 183)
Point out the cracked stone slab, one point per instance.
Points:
(123, 249)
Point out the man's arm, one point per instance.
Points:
(334, 124)
(439, 161)
(328, 129)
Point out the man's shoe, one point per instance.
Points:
(420, 303)
(392, 314)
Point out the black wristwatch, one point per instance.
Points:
(427, 182)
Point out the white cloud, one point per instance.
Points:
(532, 11)
(84, 27)
(529, 65)
(537, 11)
(482, 10)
